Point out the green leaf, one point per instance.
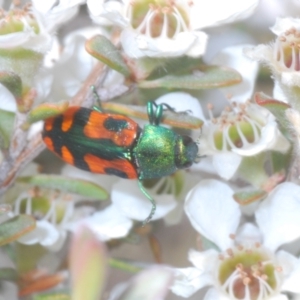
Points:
(88, 265)
(15, 227)
(175, 119)
(47, 110)
(205, 77)
(67, 184)
(281, 161)
(125, 266)
(52, 296)
(277, 108)
(28, 256)
(104, 50)
(8, 274)
(7, 120)
(149, 284)
(23, 62)
(252, 170)
(250, 196)
(12, 82)
(171, 65)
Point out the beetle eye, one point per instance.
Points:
(187, 140)
(187, 152)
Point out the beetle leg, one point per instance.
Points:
(148, 219)
(150, 112)
(97, 107)
(154, 116)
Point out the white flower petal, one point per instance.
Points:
(108, 13)
(73, 67)
(109, 223)
(290, 78)
(278, 215)
(7, 100)
(54, 247)
(45, 233)
(259, 53)
(200, 44)
(269, 138)
(56, 13)
(291, 270)
(34, 129)
(182, 102)
(226, 163)
(210, 205)
(283, 24)
(205, 261)
(216, 12)
(15, 39)
(280, 297)
(127, 196)
(96, 7)
(213, 294)
(188, 281)
(278, 93)
(248, 234)
(138, 45)
(235, 58)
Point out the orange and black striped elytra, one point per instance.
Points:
(94, 141)
(114, 144)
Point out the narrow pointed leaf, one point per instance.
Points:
(12, 82)
(52, 296)
(247, 197)
(5, 208)
(47, 110)
(176, 119)
(104, 50)
(42, 283)
(15, 227)
(88, 265)
(281, 161)
(205, 77)
(155, 248)
(7, 120)
(277, 108)
(8, 274)
(24, 62)
(71, 185)
(126, 266)
(148, 285)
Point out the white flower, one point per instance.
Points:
(73, 67)
(129, 199)
(56, 13)
(53, 214)
(23, 27)
(283, 55)
(243, 128)
(168, 28)
(129, 204)
(247, 266)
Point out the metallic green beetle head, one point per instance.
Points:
(185, 152)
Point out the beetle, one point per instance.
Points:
(113, 144)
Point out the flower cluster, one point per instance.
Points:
(167, 143)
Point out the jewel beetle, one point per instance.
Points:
(113, 144)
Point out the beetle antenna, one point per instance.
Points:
(148, 219)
